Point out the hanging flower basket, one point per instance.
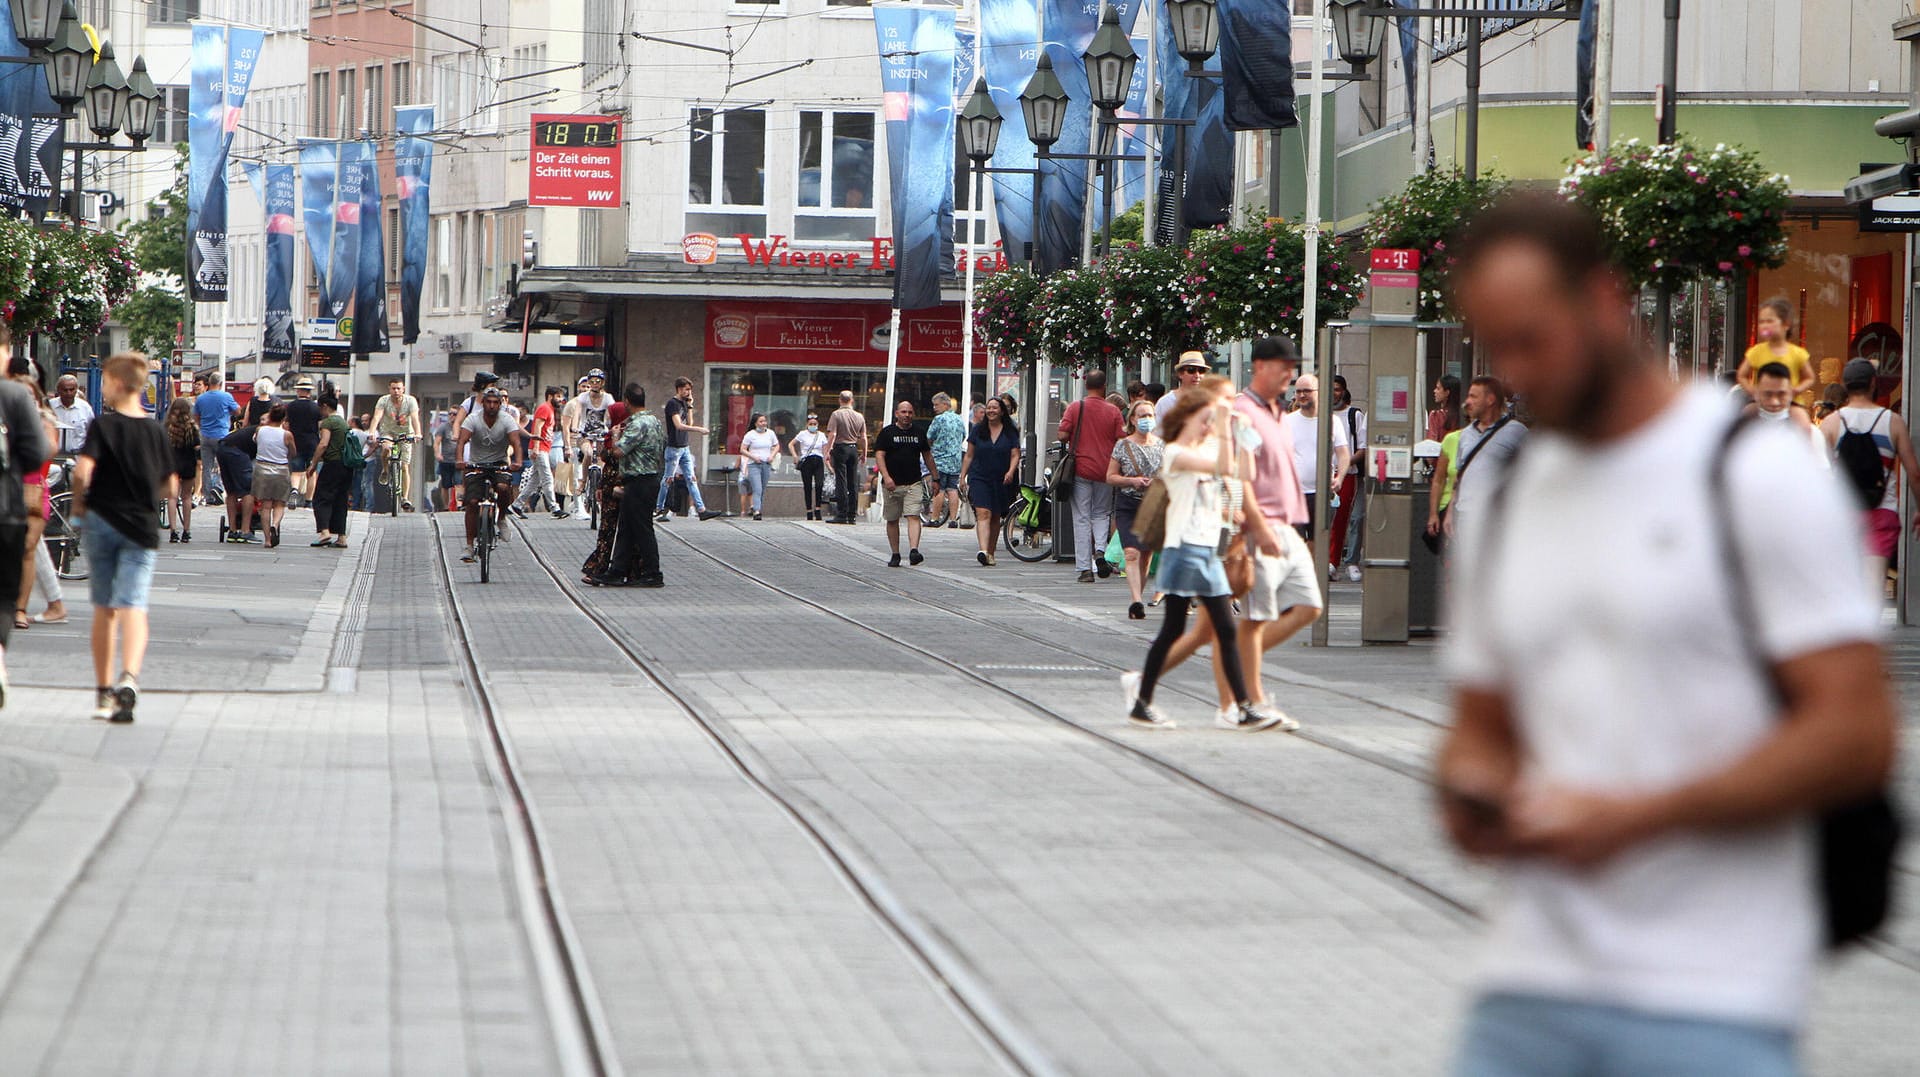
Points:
(1147, 304)
(1422, 217)
(18, 250)
(1250, 281)
(1675, 212)
(106, 253)
(54, 272)
(1005, 314)
(1073, 325)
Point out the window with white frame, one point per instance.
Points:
(172, 12)
(964, 211)
(834, 189)
(171, 126)
(727, 171)
(442, 262)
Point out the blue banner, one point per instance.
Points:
(413, 185)
(278, 341)
(320, 206)
(30, 139)
(916, 78)
(1410, 53)
(1009, 45)
(1069, 27)
(370, 283)
(220, 70)
(1256, 55)
(1208, 169)
(1583, 78)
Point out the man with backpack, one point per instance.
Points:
(1491, 437)
(1661, 688)
(1871, 448)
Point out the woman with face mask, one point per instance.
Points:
(1135, 461)
(809, 449)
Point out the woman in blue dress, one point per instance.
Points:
(991, 471)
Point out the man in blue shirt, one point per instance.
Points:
(215, 408)
(948, 432)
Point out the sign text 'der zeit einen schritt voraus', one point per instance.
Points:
(575, 161)
(703, 249)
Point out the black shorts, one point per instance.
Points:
(474, 484)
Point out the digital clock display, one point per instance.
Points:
(580, 133)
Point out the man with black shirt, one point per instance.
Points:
(303, 422)
(901, 449)
(26, 449)
(679, 457)
(118, 476)
(236, 454)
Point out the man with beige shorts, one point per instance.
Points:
(901, 449)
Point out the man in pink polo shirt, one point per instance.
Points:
(1286, 589)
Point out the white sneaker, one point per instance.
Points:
(1274, 717)
(1129, 688)
(1143, 715)
(1353, 573)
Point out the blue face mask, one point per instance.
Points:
(1144, 424)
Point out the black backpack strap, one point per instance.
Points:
(1746, 618)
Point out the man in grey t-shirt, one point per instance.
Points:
(489, 438)
(1487, 443)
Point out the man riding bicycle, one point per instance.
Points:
(585, 422)
(397, 416)
(489, 448)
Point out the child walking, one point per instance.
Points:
(121, 472)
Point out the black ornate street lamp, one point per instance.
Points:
(34, 21)
(1110, 60)
(1358, 31)
(107, 95)
(980, 123)
(1196, 30)
(69, 57)
(1044, 104)
(143, 103)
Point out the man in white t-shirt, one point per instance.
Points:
(1305, 426)
(1617, 743)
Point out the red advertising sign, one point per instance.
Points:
(1394, 259)
(792, 333)
(575, 161)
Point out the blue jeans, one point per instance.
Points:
(120, 570)
(755, 479)
(677, 461)
(1512, 1035)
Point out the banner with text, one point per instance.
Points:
(32, 139)
(413, 183)
(574, 161)
(220, 70)
(787, 333)
(332, 218)
(277, 342)
(370, 281)
(1009, 45)
(916, 79)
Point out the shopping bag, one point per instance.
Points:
(1116, 554)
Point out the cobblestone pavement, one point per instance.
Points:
(956, 856)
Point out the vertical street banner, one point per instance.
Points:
(321, 209)
(370, 282)
(1009, 45)
(278, 340)
(916, 78)
(413, 184)
(1583, 77)
(1256, 55)
(1069, 27)
(31, 140)
(220, 70)
(1410, 31)
(1207, 172)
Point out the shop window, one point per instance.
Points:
(835, 186)
(726, 172)
(736, 394)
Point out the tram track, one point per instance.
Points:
(986, 1018)
(1397, 876)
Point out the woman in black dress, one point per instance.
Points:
(183, 438)
(989, 475)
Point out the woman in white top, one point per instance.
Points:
(1200, 447)
(759, 452)
(272, 483)
(809, 449)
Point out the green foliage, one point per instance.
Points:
(1146, 303)
(1250, 281)
(1005, 313)
(1422, 217)
(1131, 226)
(152, 317)
(18, 247)
(160, 241)
(1675, 212)
(1073, 322)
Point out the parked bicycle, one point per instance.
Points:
(1028, 530)
(61, 537)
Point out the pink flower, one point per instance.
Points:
(1745, 250)
(1655, 242)
(1725, 266)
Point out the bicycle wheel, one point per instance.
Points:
(63, 543)
(928, 515)
(484, 547)
(1028, 542)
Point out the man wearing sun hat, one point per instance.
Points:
(1189, 370)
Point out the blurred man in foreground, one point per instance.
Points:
(1644, 727)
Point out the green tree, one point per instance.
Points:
(155, 313)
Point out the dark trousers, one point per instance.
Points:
(13, 557)
(330, 497)
(846, 468)
(812, 478)
(636, 550)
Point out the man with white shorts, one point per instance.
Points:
(1286, 590)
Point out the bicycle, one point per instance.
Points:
(490, 507)
(1028, 530)
(590, 482)
(930, 495)
(394, 477)
(61, 537)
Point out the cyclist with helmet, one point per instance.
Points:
(585, 421)
(489, 441)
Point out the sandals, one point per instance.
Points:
(20, 621)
